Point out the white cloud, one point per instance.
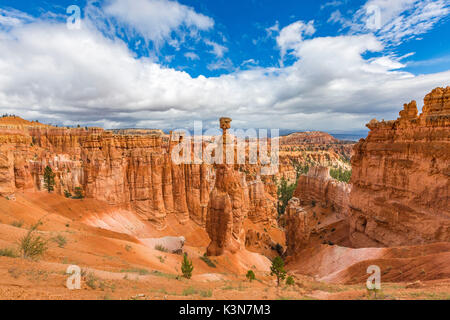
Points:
(13, 18)
(336, 17)
(217, 49)
(221, 64)
(334, 3)
(291, 37)
(424, 15)
(394, 22)
(155, 20)
(249, 62)
(275, 29)
(50, 73)
(191, 56)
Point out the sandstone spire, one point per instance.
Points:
(226, 206)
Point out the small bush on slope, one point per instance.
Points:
(60, 240)
(31, 245)
(290, 281)
(208, 261)
(7, 252)
(161, 248)
(187, 267)
(250, 275)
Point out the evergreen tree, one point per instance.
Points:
(250, 275)
(187, 267)
(285, 192)
(300, 169)
(49, 179)
(341, 174)
(277, 269)
(78, 193)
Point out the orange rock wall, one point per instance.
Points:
(401, 177)
(135, 171)
(317, 188)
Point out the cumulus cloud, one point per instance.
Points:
(155, 20)
(63, 76)
(48, 72)
(291, 37)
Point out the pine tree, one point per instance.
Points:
(187, 267)
(78, 193)
(277, 269)
(285, 192)
(250, 275)
(49, 179)
(290, 281)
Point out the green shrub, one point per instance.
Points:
(67, 194)
(189, 291)
(91, 281)
(60, 240)
(341, 174)
(300, 169)
(161, 248)
(78, 193)
(31, 245)
(164, 275)
(187, 267)
(7, 252)
(206, 294)
(250, 275)
(290, 281)
(208, 261)
(141, 272)
(17, 224)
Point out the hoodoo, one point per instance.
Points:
(226, 205)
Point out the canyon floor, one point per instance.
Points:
(116, 263)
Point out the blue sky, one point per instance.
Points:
(328, 65)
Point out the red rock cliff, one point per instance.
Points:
(132, 168)
(315, 190)
(401, 176)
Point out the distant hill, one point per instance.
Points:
(349, 137)
(308, 137)
(18, 121)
